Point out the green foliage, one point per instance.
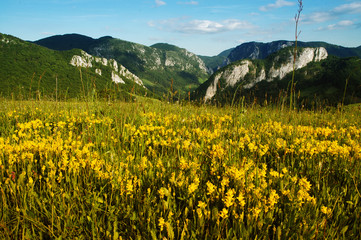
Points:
(166, 47)
(30, 71)
(319, 83)
(157, 64)
(215, 62)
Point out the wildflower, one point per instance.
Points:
(256, 211)
(273, 198)
(241, 200)
(225, 182)
(252, 147)
(286, 192)
(305, 184)
(224, 213)
(192, 188)
(31, 181)
(161, 223)
(161, 193)
(229, 199)
(275, 174)
(280, 143)
(202, 205)
(129, 187)
(199, 212)
(183, 164)
(210, 187)
(325, 210)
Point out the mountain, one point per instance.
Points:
(162, 67)
(258, 50)
(67, 42)
(28, 70)
(317, 74)
(216, 62)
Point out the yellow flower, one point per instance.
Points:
(305, 184)
(256, 211)
(241, 200)
(224, 213)
(129, 187)
(192, 188)
(229, 199)
(202, 205)
(273, 198)
(225, 182)
(210, 187)
(161, 193)
(326, 210)
(161, 223)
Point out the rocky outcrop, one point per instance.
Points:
(118, 71)
(235, 73)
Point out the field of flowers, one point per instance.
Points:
(150, 170)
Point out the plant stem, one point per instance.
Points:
(297, 18)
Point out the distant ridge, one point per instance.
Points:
(67, 42)
(259, 50)
(161, 66)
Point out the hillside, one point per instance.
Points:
(30, 71)
(216, 62)
(156, 65)
(318, 75)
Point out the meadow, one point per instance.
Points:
(152, 170)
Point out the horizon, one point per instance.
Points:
(205, 28)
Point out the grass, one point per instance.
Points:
(151, 170)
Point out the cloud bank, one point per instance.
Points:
(201, 26)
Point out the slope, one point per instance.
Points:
(317, 74)
(30, 71)
(161, 67)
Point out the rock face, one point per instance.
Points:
(257, 50)
(237, 72)
(118, 71)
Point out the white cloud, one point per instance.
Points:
(201, 26)
(277, 4)
(339, 25)
(345, 9)
(351, 8)
(317, 17)
(160, 3)
(189, 3)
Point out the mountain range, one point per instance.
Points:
(321, 79)
(161, 69)
(28, 70)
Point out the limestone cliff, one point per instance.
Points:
(118, 71)
(248, 72)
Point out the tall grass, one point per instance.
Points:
(297, 33)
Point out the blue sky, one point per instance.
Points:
(205, 27)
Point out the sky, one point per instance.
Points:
(204, 27)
